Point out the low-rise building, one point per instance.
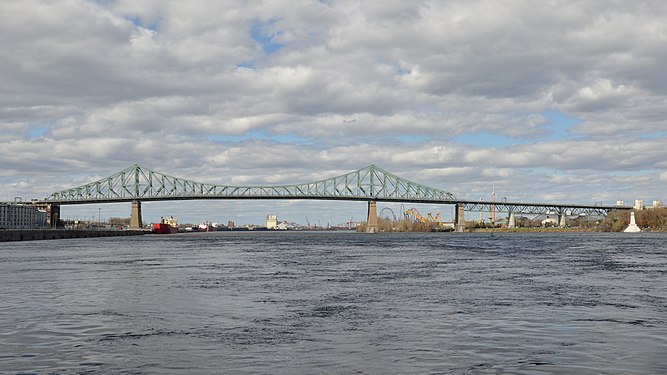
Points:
(550, 221)
(20, 216)
(283, 226)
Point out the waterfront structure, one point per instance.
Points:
(20, 216)
(271, 221)
(632, 228)
(283, 226)
(549, 220)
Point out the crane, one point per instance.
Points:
(428, 219)
(413, 212)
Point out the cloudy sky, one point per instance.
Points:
(550, 101)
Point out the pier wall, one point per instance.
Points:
(58, 234)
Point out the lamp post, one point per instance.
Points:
(99, 217)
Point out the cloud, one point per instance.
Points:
(454, 94)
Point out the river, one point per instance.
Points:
(336, 303)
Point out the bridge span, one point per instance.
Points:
(370, 184)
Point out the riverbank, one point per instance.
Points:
(554, 230)
(531, 230)
(58, 234)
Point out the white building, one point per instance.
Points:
(639, 205)
(283, 226)
(19, 216)
(271, 221)
(550, 221)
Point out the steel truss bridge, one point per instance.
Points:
(139, 183)
(371, 184)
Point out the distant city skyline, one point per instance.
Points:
(561, 102)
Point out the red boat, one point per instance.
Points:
(166, 226)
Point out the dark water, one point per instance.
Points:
(323, 303)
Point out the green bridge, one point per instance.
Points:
(371, 184)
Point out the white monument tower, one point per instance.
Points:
(632, 228)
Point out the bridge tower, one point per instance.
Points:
(135, 217)
(372, 225)
(459, 218)
(53, 215)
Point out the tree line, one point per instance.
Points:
(652, 219)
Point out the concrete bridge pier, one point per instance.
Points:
(53, 215)
(372, 225)
(135, 217)
(511, 221)
(459, 218)
(561, 220)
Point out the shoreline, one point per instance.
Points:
(534, 230)
(553, 230)
(13, 235)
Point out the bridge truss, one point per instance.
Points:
(540, 208)
(137, 183)
(371, 183)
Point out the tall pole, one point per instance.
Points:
(493, 205)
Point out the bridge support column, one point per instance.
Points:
(135, 217)
(561, 220)
(372, 225)
(52, 215)
(511, 221)
(459, 218)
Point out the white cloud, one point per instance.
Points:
(87, 88)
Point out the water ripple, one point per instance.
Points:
(322, 303)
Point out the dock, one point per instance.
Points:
(58, 234)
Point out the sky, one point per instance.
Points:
(550, 101)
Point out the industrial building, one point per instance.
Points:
(639, 205)
(271, 221)
(20, 216)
